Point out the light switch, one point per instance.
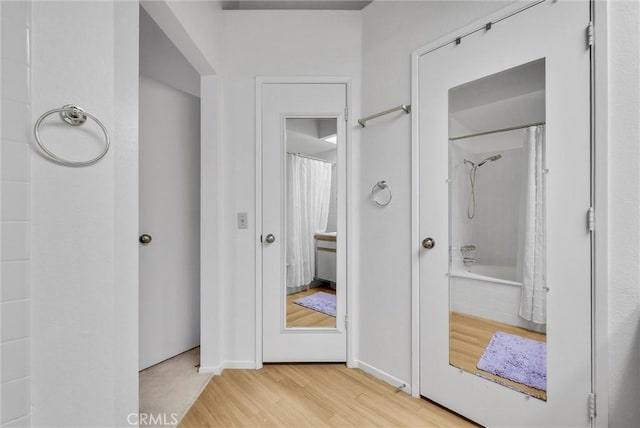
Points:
(243, 222)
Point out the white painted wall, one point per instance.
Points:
(162, 61)
(624, 212)
(391, 31)
(15, 178)
(84, 220)
(266, 43)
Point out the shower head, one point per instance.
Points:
(490, 159)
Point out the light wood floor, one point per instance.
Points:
(299, 316)
(469, 337)
(311, 395)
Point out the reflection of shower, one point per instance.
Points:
(471, 199)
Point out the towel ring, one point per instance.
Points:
(74, 116)
(377, 188)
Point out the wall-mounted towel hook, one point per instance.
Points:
(379, 188)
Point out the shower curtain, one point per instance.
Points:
(533, 305)
(308, 196)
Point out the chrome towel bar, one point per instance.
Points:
(404, 107)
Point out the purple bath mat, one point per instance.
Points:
(320, 301)
(516, 358)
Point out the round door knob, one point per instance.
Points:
(270, 239)
(145, 239)
(428, 243)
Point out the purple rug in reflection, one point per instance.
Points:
(320, 301)
(516, 358)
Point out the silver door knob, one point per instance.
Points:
(428, 243)
(145, 239)
(270, 239)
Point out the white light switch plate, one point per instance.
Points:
(243, 222)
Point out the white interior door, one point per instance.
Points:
(303, 123)
(471, 280)
(169, 294)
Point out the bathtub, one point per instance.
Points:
(493, 273)
(488, 291)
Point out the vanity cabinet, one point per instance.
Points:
(325, 256)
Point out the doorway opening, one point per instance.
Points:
(169, 222)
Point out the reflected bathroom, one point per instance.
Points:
(311, 222)
(497, 192)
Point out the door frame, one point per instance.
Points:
(599, 154)
(347, 276)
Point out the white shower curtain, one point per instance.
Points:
(533, 306)
(308, 196)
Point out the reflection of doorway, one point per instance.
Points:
(303, 221)
(470, 161)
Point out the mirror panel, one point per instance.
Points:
(311, 222)
(497, 237)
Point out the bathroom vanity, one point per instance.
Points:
(325, 250)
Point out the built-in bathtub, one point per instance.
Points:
(488, 291)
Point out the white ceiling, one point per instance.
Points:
(305, 136)
(510, 83)
(298, 142)
(294, 5)
(510, 98)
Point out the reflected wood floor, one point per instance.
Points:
(469, 337)
(299, 316)
(311, 395)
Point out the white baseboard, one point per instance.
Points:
(383, 376)
(239, 364)
(251, 365)
(217, 370)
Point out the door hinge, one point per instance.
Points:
(592, 405)
(591, 219)
(346, 114)
(346, 321)
(590, 34)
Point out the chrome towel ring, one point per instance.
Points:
(74, 116)
(377, 188)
